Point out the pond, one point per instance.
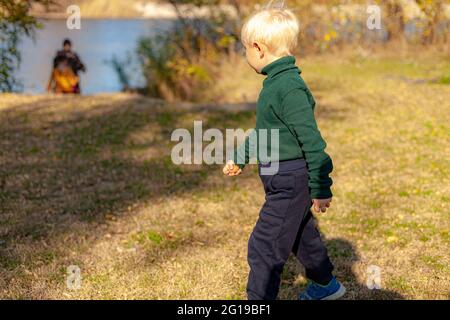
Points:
(96, 43)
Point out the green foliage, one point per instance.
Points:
(180, 64)
(15, 23)
(119, 67)
(432, 10)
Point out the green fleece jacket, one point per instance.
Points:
(286, 104)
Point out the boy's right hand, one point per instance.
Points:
(321, 205)
(231, 169)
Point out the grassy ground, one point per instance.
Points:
(88, 181)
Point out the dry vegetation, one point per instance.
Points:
(108, 9)
(88, 181)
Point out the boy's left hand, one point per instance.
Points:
(321, 205)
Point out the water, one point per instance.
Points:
(96, 43)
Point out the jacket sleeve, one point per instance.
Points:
(298, 114)
(247, 149)
(79, 64)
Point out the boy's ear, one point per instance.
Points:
(259, 48)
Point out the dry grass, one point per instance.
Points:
(88, 181)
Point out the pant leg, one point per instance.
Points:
(275, 233)
(311, 251)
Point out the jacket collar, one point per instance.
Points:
(279, 65)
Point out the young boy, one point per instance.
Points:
(285, 222)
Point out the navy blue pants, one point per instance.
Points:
(285, 225)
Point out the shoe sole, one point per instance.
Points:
(338, 294)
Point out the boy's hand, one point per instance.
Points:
(321, 205)
(231, 169)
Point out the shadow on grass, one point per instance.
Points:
(344, 256)
(63, 173)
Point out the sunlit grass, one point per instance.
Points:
(89, 181)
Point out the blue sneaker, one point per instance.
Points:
(332, 291)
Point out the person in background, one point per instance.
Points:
(63, 80)
(71, 58)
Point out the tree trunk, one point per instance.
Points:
(394, 20)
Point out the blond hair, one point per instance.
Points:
(277, 28)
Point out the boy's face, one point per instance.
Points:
(255, 57)
(258, 56)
